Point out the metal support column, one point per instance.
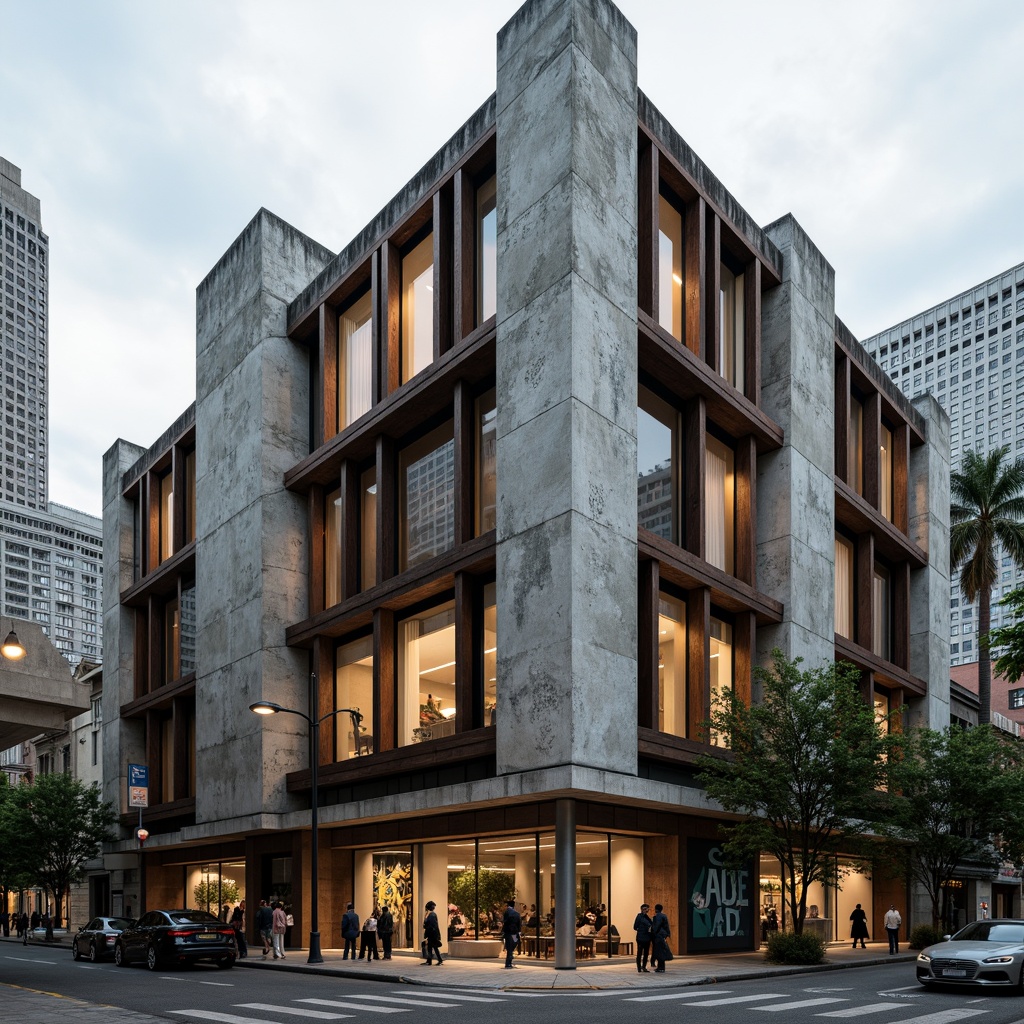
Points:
(565, 885)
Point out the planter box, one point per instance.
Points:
(475, 949)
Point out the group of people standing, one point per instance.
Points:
(272, 925)
(381, 922)
(652, 935)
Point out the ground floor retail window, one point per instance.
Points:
(217, 887)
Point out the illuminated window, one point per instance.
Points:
(670, 268)
(166, 516)
(426, 675)
(353, 688)
(881, 633)
(671, 666)
(368, 528)
(731, 340)
(885, 468)
(490, 653)
(332, 548)
(844, 587)
(418, 308)
(721, 677)
(486, 463)
(355, 361)
(720, 504)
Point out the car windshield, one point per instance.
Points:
(118, 924)
(193, 917)
(991, 931)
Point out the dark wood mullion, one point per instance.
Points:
(695, 470)
(464, 437)
(698, 660)
(468, 654)
(155, 640)
(901, 478)
(900, 625)
(317, 536)
(387, 509)
(752, 332)
(181, 709)
(154, 758)
(350, 479)
(391, 304)
(872, 440)
(443, 267)
(746, 510)
(863, 589)
(744, 637)
(647, 228)
(325, 396)
(712, 292)
(385, 679)
(152, 482)
(896, 700)
(694, 271)
(323, 666)
(141, 654)
(648, 585)
(842, 420)
(464, 256)
(378, 331)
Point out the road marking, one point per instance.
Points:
(902, 988)
(293, 1010)
(219, 984)
(608, 992)
(356, 1006)
(225, 1018)
(800, 1003)
(740, 999)
(942, 1017)
(690, 994)
(397, 999)
(168, 977)
(829, 990)
(857, 1011)
(470, 999)
(29, 960)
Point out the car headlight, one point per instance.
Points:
(998, 960)
(923, 958)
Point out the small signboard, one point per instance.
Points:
(138, 785)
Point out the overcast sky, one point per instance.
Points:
(153, 130)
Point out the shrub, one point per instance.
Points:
(924, 935)
(788, 948)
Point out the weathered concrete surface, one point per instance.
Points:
(567, 366)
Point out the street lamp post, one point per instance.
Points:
(266, 707)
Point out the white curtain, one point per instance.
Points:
(408, 680)
(714, 507)
(358, 370)
(844, 588)
(885, 465)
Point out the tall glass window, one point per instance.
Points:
(490, 653)
(486, 250)
(368, 528)
(355, 360)
(731, 339)
(426, 675)
(721, 677)
(353, 688)
(856, 446)
(670, 268)
(486, 463)
(190, 496)
(172, 641)
(671, 666)
(166, 516)
(885, 468)
(332, 548)
(167, 758)
(881, 632)
(426, 501)
(656, 472)
(188, 630)
(844, 587)
(418, 308)
(720, 504)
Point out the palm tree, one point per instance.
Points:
(987, 509)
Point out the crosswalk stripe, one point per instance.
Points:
(942, 1017)
(224, 1018)
(295, 1011)
(740, 999)
(799, 1004)
(342, 1005)
(608, 992)
(690, 994)
(466, 999)
(858, 1010)
(404, 1002)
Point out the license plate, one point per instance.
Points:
(207, 936)
(954, 974)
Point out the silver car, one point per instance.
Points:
(982, 953)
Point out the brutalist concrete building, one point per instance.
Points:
(561, 444)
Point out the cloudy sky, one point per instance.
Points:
(152, 131)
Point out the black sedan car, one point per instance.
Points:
(165, 937)
(989, 952)
(96, 939)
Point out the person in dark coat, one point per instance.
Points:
(368, 945)
(660, 933)
(431, 935)
(349, 931)
(511, 927)
(238, 923)
(859, 930)
(642, 926)
(385, 929)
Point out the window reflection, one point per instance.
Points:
(486, 463)
(487, 250)
(490, 653)
(881, 637)
(427, 482)
(426, 675)
(656, 470)
(670, 268)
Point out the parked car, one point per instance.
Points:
(176, 937)
(96, 939)
(982, 953)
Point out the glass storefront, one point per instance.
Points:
(217, 887)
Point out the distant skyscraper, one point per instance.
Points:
(50, 556)
(969, 353)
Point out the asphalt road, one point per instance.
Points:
(880, 995)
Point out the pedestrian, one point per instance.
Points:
(224, 911)
(349, 931)
(511, 928)
(431, 936)
(660, 934)
(642, 926)
(265, 925)
(385, 929)
(36, 918)
(238, 923)
(289, 922)
(277, 930)
(859, 930)
(892, 927)
(368, 944)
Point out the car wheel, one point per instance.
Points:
(76, 953)
(151, 959)
(1020, 982)
(120, 957)
(94, 953)
(225, 962)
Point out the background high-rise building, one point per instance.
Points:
(968, 351)
(50, 555)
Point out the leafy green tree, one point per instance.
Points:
(213, 893)
(60, 824)
(1010, 664)
(11, 860)
(955, 798)
(805, 761)
(987, 510)
(495, 888)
